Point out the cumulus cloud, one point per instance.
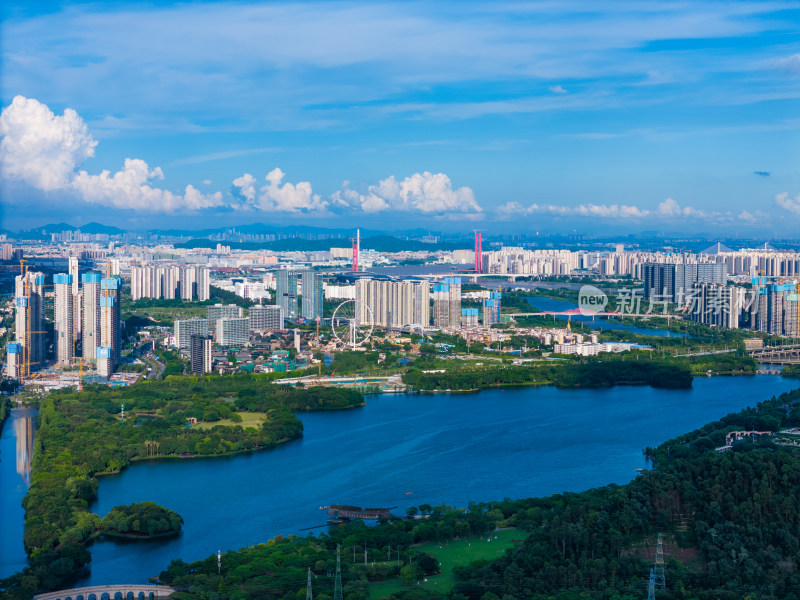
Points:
(129, 189)
(670, 208)
(40, 148)
(512, 210)
(791, 204)
(557, 89)
(747, 217)
(246, 186)
(275, 195)
(44, 151)
(425, 193)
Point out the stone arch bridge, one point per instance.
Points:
(110, 592)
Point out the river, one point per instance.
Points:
(16, 448)
(555, 305)
(403, 450)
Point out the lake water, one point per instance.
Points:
(403, 450)
(16, 448)
(449, 449)
(555, 305)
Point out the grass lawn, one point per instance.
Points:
(455, 553)
(249, 419)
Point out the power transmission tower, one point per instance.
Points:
(309, 594)
(660, 575)
(337, 586)
(651, 587)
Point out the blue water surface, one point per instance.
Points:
(403, 450)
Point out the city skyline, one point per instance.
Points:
(521, 117)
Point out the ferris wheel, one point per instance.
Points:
(352, 323)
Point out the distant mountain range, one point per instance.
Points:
(93, 228)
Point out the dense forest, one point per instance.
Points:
(730, 520)
(140, 520)
(83, 435)
(592, 373)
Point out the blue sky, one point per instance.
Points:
(520, 116)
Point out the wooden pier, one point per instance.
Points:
(343, 512)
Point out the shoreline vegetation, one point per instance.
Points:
(81, 436)
(591, 374)
(5, 411)
(731, 521)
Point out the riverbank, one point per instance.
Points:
(448, 448)
(592, 543)
(5, 411)
(82, 436)
(592, 373)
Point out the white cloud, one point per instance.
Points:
(40, 148)
(246, 185)
(747, 217)
(425, 193)
(557, 89)
(670, 208)
(288, 197)
(791, 204)
(44, 150)
(787, 63)
(512, 210)
(275, 195)
(326, 55)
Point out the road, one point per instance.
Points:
(143, 352)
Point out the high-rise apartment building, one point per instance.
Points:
(200, 353)
(265, 317)
(77, 325)
(776, 308)
(491, 309)
(14, 360)
(63, 318)
(673, 281)
(29, 319)
(718, 305)
(170, 282)
(186, 328)
(469, 317)
(223, 311)
(393, 303)
(312, 294)
(110, 335)
(188, 279)
(105, 361)
(233, 332)
(447, 303)
(202, 284)
(90, 334)
(286, 293)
